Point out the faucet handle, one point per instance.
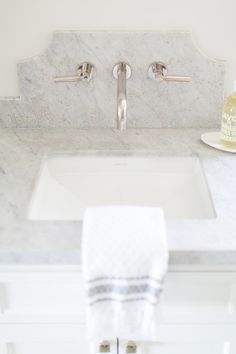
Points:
(158, 71)
(84, 73)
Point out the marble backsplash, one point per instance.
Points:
(151, 104)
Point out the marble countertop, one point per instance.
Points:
(198, 241)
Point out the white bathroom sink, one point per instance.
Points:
(67, 184)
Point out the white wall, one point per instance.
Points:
(26, 26)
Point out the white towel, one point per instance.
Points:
(124, 261)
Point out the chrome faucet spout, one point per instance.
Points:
(121, 98)
(121, 72)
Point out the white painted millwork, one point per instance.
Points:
(4, 348)
(43, 311)
(3, 303)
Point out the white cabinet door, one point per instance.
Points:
(190, 339)
(213, 347)
(44, 348)
(43, 339)
(55, 338)
(43, 312)
(77, 348)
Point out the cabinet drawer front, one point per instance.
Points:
(188, 297)
(199, 297)
(43, 299)
(42, 296)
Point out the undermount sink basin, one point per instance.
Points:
(67, 184)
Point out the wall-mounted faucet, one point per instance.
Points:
(85, 72)
(122, 72)
(158, 71)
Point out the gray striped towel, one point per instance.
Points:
(124, 261)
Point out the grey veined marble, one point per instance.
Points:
(151, 104)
